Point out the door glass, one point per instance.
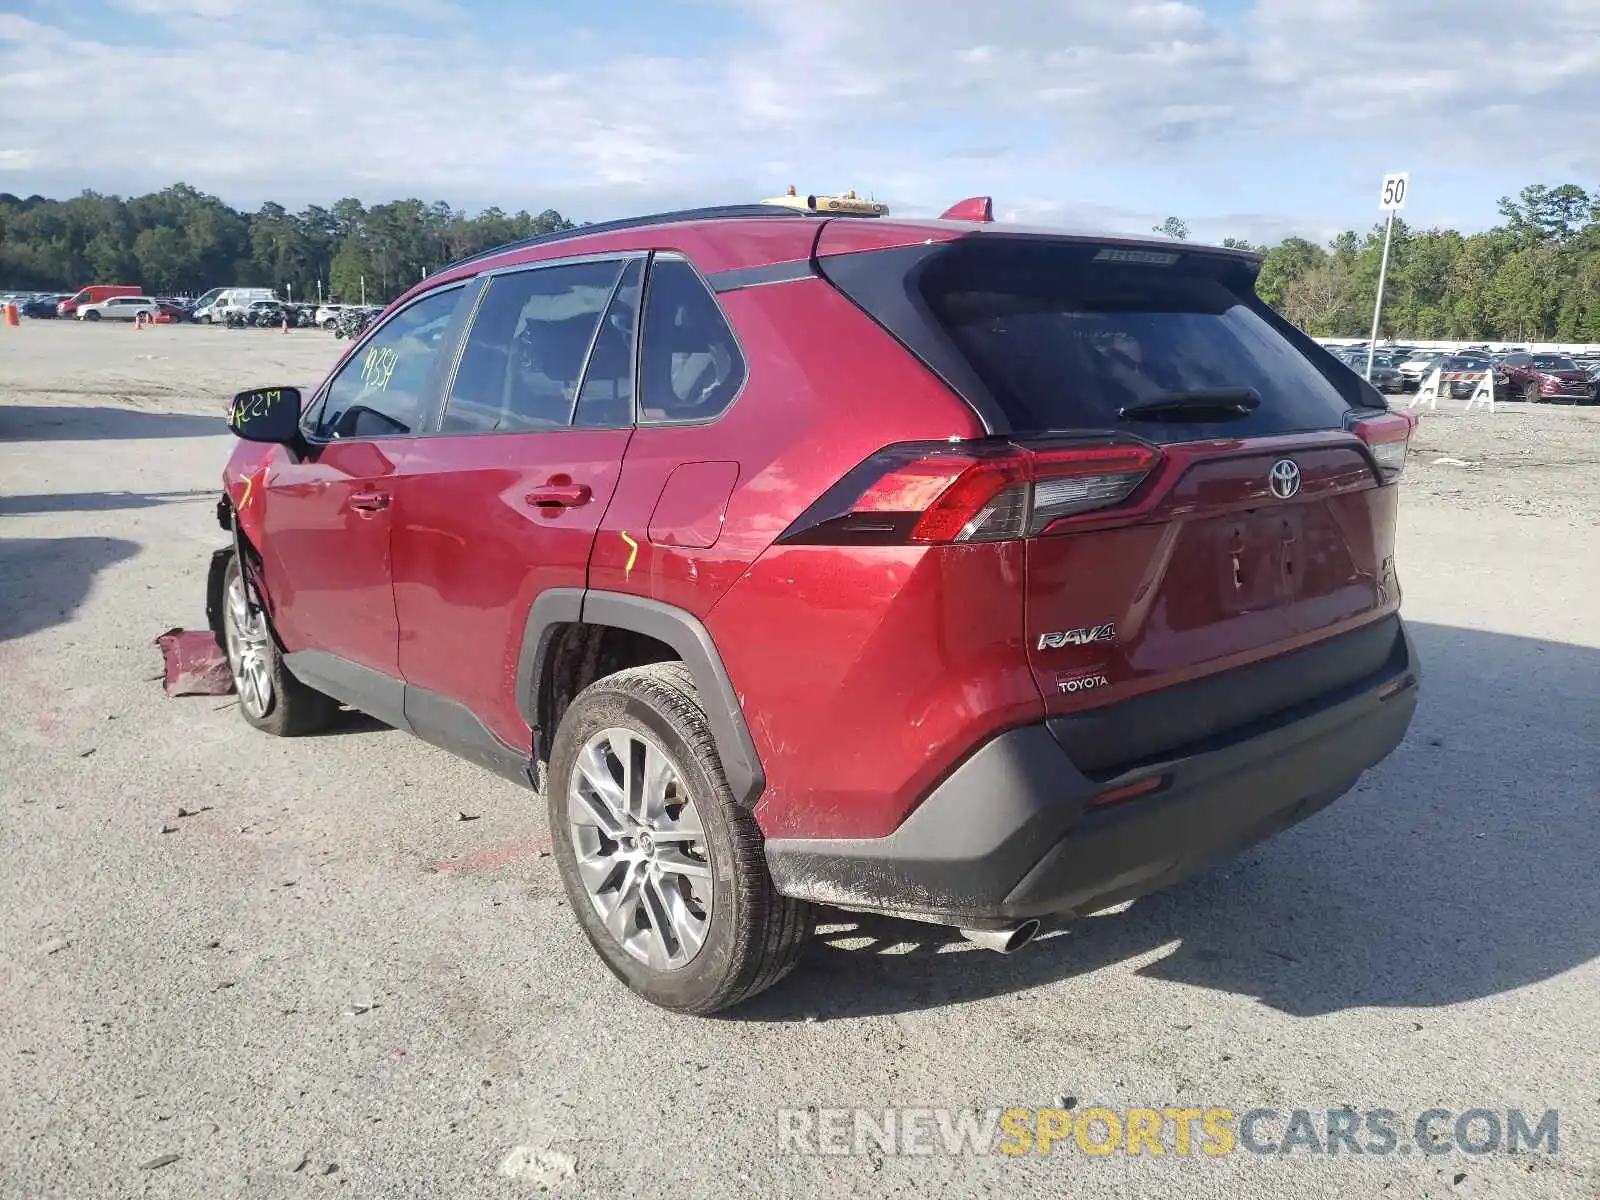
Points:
(526, 350)
(606, 399)
(379, 391)
(691, 366)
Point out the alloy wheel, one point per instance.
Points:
(640, 848)
(248, 653)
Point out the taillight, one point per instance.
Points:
(946, 492)
(1388, 437)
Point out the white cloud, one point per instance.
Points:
(305, 100)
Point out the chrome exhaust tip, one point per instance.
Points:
(1006, 940)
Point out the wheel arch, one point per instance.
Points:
(558, 610)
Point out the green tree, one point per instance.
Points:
(166, 262)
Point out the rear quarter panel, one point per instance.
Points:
(863, 673)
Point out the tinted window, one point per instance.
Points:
(1554, 362)
(527, 347)
(691, 367)
(1064, 340)
(606, 398)
(379, 391)
(1465, 363)
(1518, 360)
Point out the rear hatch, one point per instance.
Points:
(1239, 509)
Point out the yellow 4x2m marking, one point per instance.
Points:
(633, 553)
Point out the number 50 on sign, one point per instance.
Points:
(1394, 191)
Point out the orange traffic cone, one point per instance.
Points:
(286, 324)
(12, 317)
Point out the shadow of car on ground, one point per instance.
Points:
(43, 581)
(97, 422)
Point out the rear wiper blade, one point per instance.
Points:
(1218, 403)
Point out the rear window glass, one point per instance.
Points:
(1063, 341)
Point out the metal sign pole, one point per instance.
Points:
(1391, 200)
(1377, 308)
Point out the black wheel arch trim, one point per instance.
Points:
(681, 630)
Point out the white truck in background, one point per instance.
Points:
(213, 307)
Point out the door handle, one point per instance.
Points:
(560, 495)
(369, 502)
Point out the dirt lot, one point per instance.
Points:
(323, 981)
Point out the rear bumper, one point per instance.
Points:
(1011, 833)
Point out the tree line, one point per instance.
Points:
(1534, 277)
(181, 241)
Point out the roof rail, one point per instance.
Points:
(715, 212)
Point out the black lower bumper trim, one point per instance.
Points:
(1011, 834)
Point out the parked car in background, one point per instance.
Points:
(1465, 389)
(1536, 377)
(1115, 543)
(41, 308)
(1417, 367)
(120, 308)
(328, 314)
(95, 293)
(1386, 376)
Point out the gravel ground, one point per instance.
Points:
(323, 981)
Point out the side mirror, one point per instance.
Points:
(266, 415)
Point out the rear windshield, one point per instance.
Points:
(1064, 340)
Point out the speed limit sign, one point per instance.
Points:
(1394, 191)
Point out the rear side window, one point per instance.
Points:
(527, 347)
(1065, 341)
(691, 365)
(605, 400)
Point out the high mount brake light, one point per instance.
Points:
(1388, 437)
(950, 492)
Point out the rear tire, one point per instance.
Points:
(270, 697)
(693, 941)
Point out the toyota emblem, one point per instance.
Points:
(1284, 478)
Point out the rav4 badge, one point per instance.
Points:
(1078, 637)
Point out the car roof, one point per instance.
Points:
(731, 237)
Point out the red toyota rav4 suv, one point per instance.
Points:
(951, 570)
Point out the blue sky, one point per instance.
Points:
(1252, 118)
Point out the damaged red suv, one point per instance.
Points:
(963, 572)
